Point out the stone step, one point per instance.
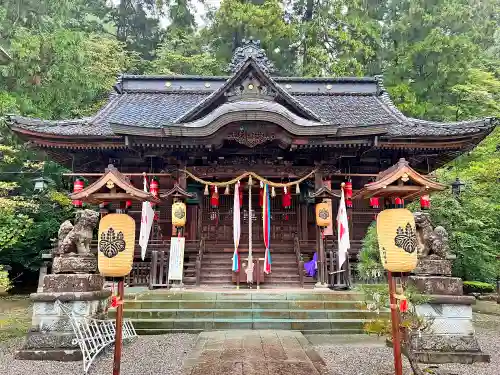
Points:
(249, 314)
(249, 323)
(235, 295)
(242, 304)
(337, 331)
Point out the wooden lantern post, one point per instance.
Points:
(116, 237)
(400, 184)
(320, 196)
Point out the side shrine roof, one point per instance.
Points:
(189, 106)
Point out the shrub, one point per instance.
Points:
(478, 287)
(5, 284)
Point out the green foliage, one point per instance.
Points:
(478, 287)
(369, 265)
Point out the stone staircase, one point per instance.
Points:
(216, 266)
(159, 312)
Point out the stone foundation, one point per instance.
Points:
(433, 267)
(51, 334)
(440, 285)
(451, 336)
(74, 263)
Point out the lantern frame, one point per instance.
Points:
(457, 187)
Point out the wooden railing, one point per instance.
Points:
(158, 268)
(199, 259)
(300, 261)
(160, 262)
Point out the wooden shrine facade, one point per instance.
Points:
(281, 128)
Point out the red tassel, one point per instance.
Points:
(403, 305)
(261, 197)
(240, 191)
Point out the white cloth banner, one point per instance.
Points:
(147, 217)
(342, 231)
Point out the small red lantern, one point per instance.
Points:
(398, 202)
(348, 189)
(374, 202)
(348, 193)
(214, 198)
(78, 186)
(286, 198)
(425, 202)
(154, 187)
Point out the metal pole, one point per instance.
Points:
(321, 268)
(119, 328)
(396, 335)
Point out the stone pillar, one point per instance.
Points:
(51, 335)
(451, 336)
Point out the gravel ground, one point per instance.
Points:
(147, 355)
(351, 356)
(344, 355)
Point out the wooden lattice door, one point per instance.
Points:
(217, 224)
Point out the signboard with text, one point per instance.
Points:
(176, 261)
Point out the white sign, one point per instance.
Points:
(176, 261)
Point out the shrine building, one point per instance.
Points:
(192, 131)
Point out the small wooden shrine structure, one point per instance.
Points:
(197, 131)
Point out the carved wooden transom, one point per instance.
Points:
(250, 139)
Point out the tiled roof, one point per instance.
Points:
(149, 102)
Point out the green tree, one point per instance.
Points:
(337, 38)
(61, 74)
(236, 20)
(137, 24)
(182, 53)
(434, 49)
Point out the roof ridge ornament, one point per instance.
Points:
(250, 49)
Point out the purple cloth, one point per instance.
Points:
(310, 266)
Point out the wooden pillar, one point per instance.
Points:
(318, 184)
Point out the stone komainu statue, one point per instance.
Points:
(76, 238)
(432, 242)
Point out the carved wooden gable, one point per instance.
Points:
(251, 81)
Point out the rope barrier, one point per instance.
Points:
(247, 174)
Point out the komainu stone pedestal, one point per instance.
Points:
(51, 335)
(451, 336)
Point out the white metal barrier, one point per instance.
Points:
(94, 335)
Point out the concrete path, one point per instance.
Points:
(252, 352)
